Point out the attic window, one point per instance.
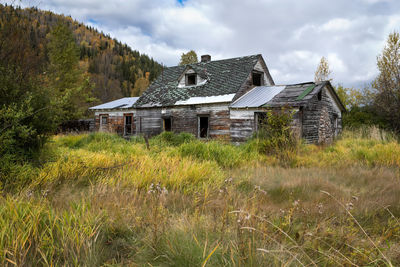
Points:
(191, 79)
(257, 78)
(320, 95)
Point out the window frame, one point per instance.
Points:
(163, 123)
(187, 75)
(256, 72)
(125, 124)
(105, 116)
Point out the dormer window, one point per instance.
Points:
(257, 78)
(191, 79)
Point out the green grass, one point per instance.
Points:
(100, 200)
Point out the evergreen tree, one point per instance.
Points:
(26, 119)
(70, 87)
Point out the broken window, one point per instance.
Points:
(167, 124)
(191, 79)
(257, 78)
(203, 126)
(128, 124)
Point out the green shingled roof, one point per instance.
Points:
(306, 92)
(223, 77)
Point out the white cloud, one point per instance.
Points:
(337, 24)
(292, 35)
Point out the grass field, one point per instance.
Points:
(100, 200)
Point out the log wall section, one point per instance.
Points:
(319, 119)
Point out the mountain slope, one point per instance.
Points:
(113, 67)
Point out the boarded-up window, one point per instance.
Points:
(203, 126)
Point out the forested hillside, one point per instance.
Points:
(114, 68)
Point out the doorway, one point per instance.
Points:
(167, 124)
(128, 125)
(203, 130)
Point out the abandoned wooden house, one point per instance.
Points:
(225, 99)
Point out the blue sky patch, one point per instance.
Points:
(182, 2)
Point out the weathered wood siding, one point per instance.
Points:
(115, 121)
(243, 123)
(148, 121)
(319, 119)
(185, 119)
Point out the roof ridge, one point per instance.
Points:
(219, 60)
(293, 84)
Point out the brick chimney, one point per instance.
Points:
(205, 58)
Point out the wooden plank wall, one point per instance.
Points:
(115, 121)
(318, 119)
(185, 119)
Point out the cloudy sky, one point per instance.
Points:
(291, 35)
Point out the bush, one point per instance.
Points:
(275, 135)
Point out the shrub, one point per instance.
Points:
(275, 135)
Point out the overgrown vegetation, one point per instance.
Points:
(98, 199)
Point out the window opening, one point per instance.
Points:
(257, 78)
(203, 127)
(104, 120)
(167, 124)
(191, 79)
(261, 118)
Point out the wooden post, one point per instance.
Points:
(146, 139)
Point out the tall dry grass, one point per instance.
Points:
(99, 200)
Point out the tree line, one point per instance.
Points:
(52, 69)
(113, 67)
(379, 102)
